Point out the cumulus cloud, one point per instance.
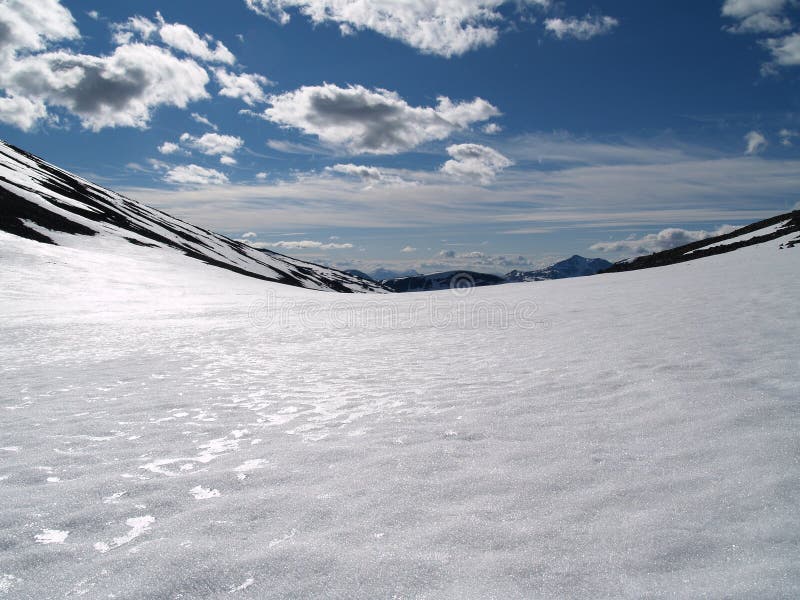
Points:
(785, 51)
(175, 35)
(248, 87)
(475, 162)
(169, 148)
(741, 9)
(491, 128)
(262, 176)
(581, 29)
(766, 17)
(213, 144)
(663, 240)
(227, 160)
(408, 250)
(112, 91)
(249, 234)
(32, 26)
(756, 142)
(308, 245)
(442, 27)
(119, 90)
(195, 175)
(375, 121)
(21, 112)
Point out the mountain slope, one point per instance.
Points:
(575, 266)
(783, 229)
(42, 202)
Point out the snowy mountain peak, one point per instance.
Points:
(47, 204)
(574, 266)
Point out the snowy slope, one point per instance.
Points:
(40, 201)
(781, 231)
(168, 430)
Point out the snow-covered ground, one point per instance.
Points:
(173, 430)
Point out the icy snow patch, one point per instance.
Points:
(51, 536)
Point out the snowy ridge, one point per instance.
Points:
(783, 229)
(39, 200)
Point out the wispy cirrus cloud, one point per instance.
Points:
(581, 28)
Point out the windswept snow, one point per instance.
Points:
(626, 435)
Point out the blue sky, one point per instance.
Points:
(428, 134)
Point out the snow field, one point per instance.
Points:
(638, 438)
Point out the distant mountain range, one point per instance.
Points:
(42, 202)
(442, 281)
(575, 266)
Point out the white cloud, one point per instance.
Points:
(766, 17)
(175, 35)
(364, 172)
(120, 90)
(491, 128)
(308, 245)
(663, 240)
(756, 143)
(21, 112)
(183, 38)
(786, 136)
(193, 175)
(213, 144)
(227, 160)
(249, 234)
(643, 183)
(198, 118)
(581, 29)
(248, 87)
(442, 27)
(262, 176)
(741, 9)
(93, 14)
(372, 121)
(475, 162)
(408, 250)
(786, 50)
(32, 26)
(169, 148)
(761, 23)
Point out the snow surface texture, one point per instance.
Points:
(37, 198)
(173, 430)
